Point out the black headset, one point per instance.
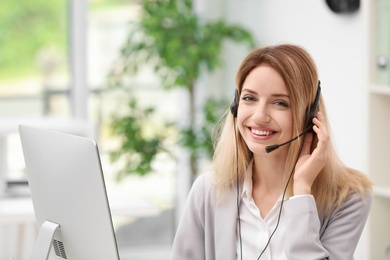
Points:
(234, 104)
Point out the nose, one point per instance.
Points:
(261, 113)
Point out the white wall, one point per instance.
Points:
(338, 44)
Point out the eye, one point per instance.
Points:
(248, 98)
(281, 103)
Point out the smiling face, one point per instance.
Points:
(264, 115)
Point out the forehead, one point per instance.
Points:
(264, 79)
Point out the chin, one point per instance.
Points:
(258, 149)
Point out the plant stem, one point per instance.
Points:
(193, 160)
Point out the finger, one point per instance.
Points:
(320, 124)
(321, 129)
(307, 143)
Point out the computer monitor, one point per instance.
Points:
(69, 196)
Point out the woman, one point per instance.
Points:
(296, 202)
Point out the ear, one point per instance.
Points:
(234, 104)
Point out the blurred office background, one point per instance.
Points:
(55, 58)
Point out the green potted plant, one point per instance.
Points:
(176, 43)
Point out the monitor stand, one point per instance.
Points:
(44, 241)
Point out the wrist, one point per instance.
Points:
(301, 189)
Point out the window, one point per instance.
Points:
(34, 67)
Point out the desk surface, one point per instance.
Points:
(20, 210)
(16, 210)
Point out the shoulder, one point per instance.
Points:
(203, 188)
(358, 203)
(354, 209)
(203, 183)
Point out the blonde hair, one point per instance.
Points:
(298, 70)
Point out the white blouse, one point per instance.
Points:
(256, 231)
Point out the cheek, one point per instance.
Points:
(241, 119)
(239, 125)
(288, 125)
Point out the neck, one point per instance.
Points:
(268, 171)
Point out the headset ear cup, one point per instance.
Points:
(312, 111)
(234, 104)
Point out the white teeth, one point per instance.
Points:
(261, 132)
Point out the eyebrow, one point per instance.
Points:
(273, 95)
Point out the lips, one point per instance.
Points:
(259, 132)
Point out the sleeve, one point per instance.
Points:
(336, 240)
(189, 239)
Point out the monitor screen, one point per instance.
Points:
(68, 190)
